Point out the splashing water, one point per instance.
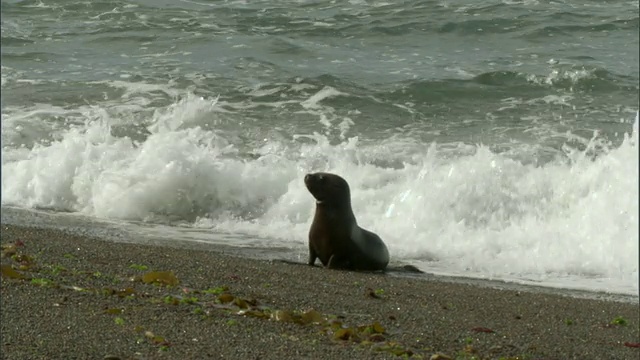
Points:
(571, 222)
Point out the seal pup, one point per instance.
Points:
(335, 237)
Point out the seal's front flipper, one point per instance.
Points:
(411, 268)
(337, 262)
(312, 257)
(404, 269)
(290, 262)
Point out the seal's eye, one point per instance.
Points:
(321, 178)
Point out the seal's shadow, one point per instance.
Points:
(393, 269)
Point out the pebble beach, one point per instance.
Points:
(71, 297)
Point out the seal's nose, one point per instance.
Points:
(307, 178)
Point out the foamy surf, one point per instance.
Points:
(449, 208)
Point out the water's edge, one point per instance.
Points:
(125, 233)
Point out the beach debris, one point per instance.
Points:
(344, 334)
(250, 308)
(371, 335)
(312, 317)
(8, 250)
(373, 294)
(138, 267)
(189, 300)
(156, 339)
(42, 282)
(171, 300)
(11, 251)
(113, 311)
(362, 334)
(225, 298)
(22, 258)
(366, 335)
(160, 277)
(448, 306)
(619, 320)
(469, 349)
(119, 292)
(632, 345)
(56, 269)
(482, 329)
(439, 356)
(395, 348)
(11, 273)
(216, 290)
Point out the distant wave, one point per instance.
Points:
(555, 30)
(15, 41)
(498, 84)
(576, 78)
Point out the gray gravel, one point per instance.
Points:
(422, 316)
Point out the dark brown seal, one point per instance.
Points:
(335, 237)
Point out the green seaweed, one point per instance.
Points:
(171, 300)
(11, 273)
(156, 339)
(189, 300)
(198, 311)
(160, 278)
(619, 320)
(58, 269)
(41, 282)
(8, 250)
(395, 349)
(139, 267)
(216, 291)
(122, 293)
(371, 335)
(22, 258)
(225, 298)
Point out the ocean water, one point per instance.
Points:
(486, 139)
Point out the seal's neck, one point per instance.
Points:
(334, 204)
(333, 210)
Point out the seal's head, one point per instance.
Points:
(329, 189)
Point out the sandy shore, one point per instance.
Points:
(79, 298)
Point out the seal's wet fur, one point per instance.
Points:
(335, 237)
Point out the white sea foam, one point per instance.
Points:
(476, 213)
(326, 92)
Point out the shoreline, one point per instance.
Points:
(114, 232)
(83, 298)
